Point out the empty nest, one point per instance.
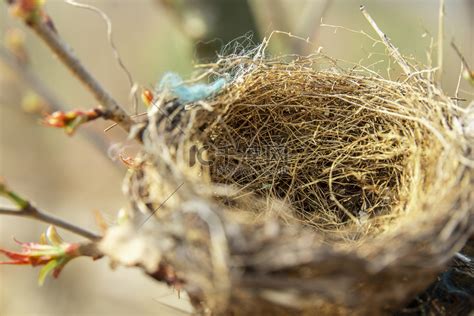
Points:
(300, 187)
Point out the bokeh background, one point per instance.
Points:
(70, 177)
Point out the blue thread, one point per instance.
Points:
(189, 93)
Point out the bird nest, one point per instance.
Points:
(299, 186)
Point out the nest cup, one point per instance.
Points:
(303, 187)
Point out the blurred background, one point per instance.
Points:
(71, 177)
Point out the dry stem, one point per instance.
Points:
(463, 60)
(439, 73)
(391, 48)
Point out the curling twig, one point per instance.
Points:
(46, 32)
(108, 23)
(26, 209)
(391, 48)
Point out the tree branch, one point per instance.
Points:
(65, 54)
(30, 211)
(26, 209)
(40, 23)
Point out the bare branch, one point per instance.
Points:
(65, 54)
(42, 25)
(32, 212)
(26, 209)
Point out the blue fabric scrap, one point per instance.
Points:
(188, 93)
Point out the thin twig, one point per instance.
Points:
(35, 18)
(314, 11)
(65, 54)
(26, 209)
(108, 23)
(458, 84)
(439, 73)
(391, 48)
(32, 212)
(463, 60)
(90, 249)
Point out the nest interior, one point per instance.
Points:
(303, 186)
(346, 153)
